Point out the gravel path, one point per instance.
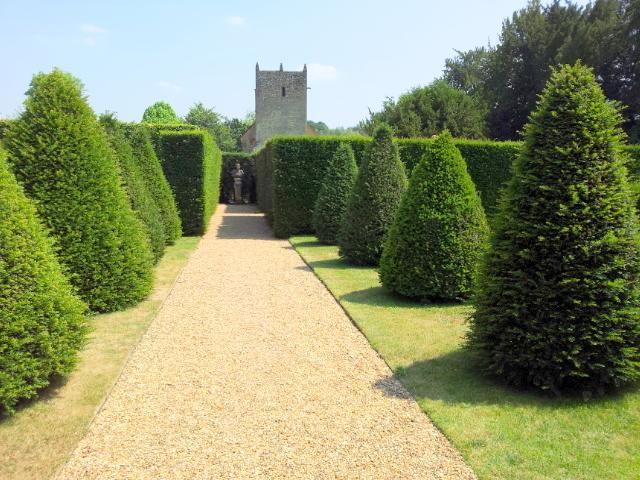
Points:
(252, 370)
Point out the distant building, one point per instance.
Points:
(281, 107)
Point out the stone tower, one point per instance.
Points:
(281, 103)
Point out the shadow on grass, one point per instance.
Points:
(50, 392)
(381, 297)
(455, 378)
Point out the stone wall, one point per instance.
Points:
(281, 103)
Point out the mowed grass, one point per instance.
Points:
(42, 434)
(502, 433)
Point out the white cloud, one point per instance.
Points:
(318, 71)
(92, 29)
(168, 86)
(91, 32)
(237, 21)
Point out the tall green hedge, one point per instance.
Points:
(191, 162)
(140, 199)
(62, 157)
(153, 175)
(289, 172)
(559, 295)
(41, 320)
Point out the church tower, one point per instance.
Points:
(281, 103)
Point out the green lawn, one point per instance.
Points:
(41, 435)
(502, 433)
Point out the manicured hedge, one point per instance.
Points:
(62, 157)
(41, 320)
(140, 199)
(290, 170)
(247, 163)
(191, 162)
(153, 175)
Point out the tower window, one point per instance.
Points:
(283, 92)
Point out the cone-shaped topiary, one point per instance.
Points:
(558, 301)
(62, 157)
(41, 320)
(140, 198)
(373, 203)
(145, 155)
(336, 188)
(433, 248)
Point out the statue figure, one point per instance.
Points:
(237, 174)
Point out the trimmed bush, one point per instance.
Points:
(373, 203)
(558, 301)
(247, 163)
(335, 191)
(157, 184)
(140, 199)
(191, 162)
(41, 320)
(433, 247)
(62, 157)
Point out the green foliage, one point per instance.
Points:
(212, 122)
(558, 300)
(432, 250)
(427, 111)
(62, 157)
(331, 204)
(374, 200)
(237, 127)
(509, 76)
(4, 126)
(42, 324)
(160, 113)
(140, 199)
(157, 184)
(290, 171)
(247, 164)
(191, 162)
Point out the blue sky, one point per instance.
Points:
(130, 54)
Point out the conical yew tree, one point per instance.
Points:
(336, 188)
(41, 320)
(139, 196)
(157, 184)
(440, 231)
(558, 301)
(373, 203)
(62, 157)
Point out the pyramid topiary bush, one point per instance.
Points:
(140, 199)
(558, 301)
(62, 157)
(440, 231)
(151, 170)
(41, 320)
(336, 188)
(373, 203)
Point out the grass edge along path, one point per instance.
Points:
(502, 433)
(39, 438)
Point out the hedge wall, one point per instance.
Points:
(247, 163)
(191, 162)
(290, 170)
